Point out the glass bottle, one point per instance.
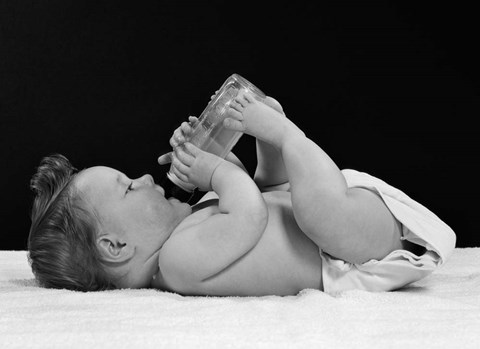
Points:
(209, 133)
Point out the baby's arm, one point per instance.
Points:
(205, 249)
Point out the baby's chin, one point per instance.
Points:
(180, 205)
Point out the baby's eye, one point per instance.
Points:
(130, 187)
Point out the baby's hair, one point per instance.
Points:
(62, 239)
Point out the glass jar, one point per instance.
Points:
(209, 133)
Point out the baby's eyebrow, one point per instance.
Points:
(118, 180)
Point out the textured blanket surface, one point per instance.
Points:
(440, 311)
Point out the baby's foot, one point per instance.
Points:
(272, 102)
(258, 119)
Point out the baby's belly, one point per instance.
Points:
(284, 261)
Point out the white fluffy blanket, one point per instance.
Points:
(441, 311)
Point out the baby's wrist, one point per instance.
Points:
(224, 175)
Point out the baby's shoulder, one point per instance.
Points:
(200, 212)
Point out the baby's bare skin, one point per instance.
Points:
(252, 243)
(283, 262)
(352, 224)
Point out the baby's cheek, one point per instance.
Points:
(146, 210)
(151, 212)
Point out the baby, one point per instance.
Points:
(300, 223)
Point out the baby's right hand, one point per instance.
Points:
(193, 165)
(180, 136)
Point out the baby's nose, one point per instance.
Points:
(147, 179)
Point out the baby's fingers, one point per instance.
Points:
(177, 138)
(192, 149)
(165, 158)
(185, 158)
(185, 129)
(180, 134)
(179, 169)
(193, 120)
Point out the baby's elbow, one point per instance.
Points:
(252, 225)
(258, 216)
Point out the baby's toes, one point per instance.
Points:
(249, 98)
(236, 106)
(243, 99)
(234, 113)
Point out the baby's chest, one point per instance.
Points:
(284, 261)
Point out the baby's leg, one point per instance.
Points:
(351, 224)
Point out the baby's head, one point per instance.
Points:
(97, 229)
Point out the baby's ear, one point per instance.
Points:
(113, 250)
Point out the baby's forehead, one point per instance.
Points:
(98, 189)
(95, 173)
(94, 179)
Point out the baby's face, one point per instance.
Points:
(135, 208)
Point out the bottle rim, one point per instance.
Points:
(247, 84)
